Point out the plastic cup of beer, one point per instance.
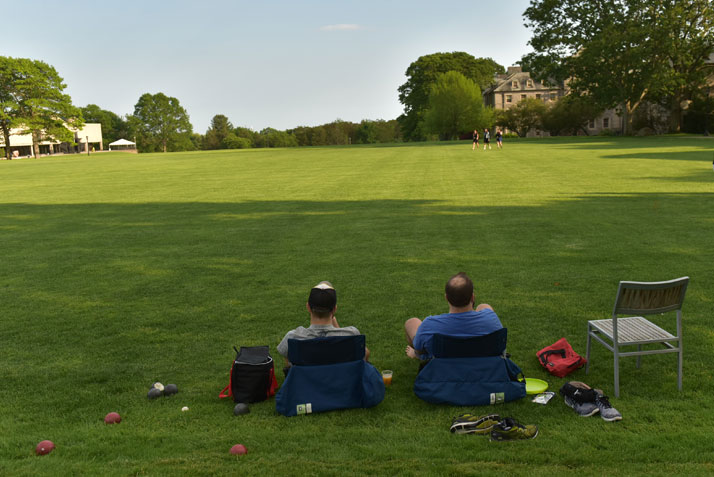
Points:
(387, 377)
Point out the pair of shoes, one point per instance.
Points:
(470, 424)
(607, 412)
(510, 430)
(586, 401)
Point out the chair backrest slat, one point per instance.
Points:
(493, 344)
(650, 297)
(326, 350)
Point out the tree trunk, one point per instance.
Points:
(627, 119)
(36, 143)
(6, 135)
(675, 118)
(630, 109)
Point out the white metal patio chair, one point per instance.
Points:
(641, 298)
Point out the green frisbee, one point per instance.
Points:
(535, 386)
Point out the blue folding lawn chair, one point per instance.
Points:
(327, 374)
(471, 371)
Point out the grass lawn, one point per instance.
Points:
(120, 270)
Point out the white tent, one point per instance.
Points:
(122, 144)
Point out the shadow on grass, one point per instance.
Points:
(704, 145)
(185, 259)
(704, 155)
(706, 175)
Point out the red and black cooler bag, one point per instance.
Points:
(252, 376)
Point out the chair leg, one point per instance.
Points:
(639, 356)
(587, 352)
(679, 371)
(617, 373)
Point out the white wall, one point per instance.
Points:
(93, 130)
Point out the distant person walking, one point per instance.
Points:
(475, 144)
(499, 138)
(486, 139)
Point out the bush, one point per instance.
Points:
(231, 141)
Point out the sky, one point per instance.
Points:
(261, 63)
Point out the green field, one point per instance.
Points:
(119, 270)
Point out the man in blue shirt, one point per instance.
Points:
(462, 320)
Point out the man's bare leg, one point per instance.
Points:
(410, 330)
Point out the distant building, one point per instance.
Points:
(88, 137)
(516, 85)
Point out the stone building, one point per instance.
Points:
(516, 85)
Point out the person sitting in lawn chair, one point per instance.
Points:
(463, 353)
(322, 306)
(462, 320)
(327, 366)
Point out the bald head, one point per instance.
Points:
(459, 290)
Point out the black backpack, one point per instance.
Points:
(252, 375)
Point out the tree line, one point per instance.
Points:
(160, 124)
(32, 101)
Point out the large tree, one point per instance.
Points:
(161, 124)
(422, 73)
(217, 132)
(8, 101)
(524, 116)
(33, 101)
(621, 52)
(569, 115)
(684, 39)
(455, 106)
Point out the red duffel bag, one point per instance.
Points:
(560, 359)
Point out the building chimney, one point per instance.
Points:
(514, 69)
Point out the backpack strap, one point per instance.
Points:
(273, 383)
(229, 388)
(544, 356)
(223, 393)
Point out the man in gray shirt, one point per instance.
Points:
(322, 306)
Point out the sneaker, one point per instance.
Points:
(510, 430)
(583, 409)
(580, 397)
(607, 412)
(470, 424)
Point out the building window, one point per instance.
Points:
(537, 95)
(591, 125)
(529, 83)
(606, 122)
(509, 98)
(514, 84)
(553, 96)
(523, 96)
